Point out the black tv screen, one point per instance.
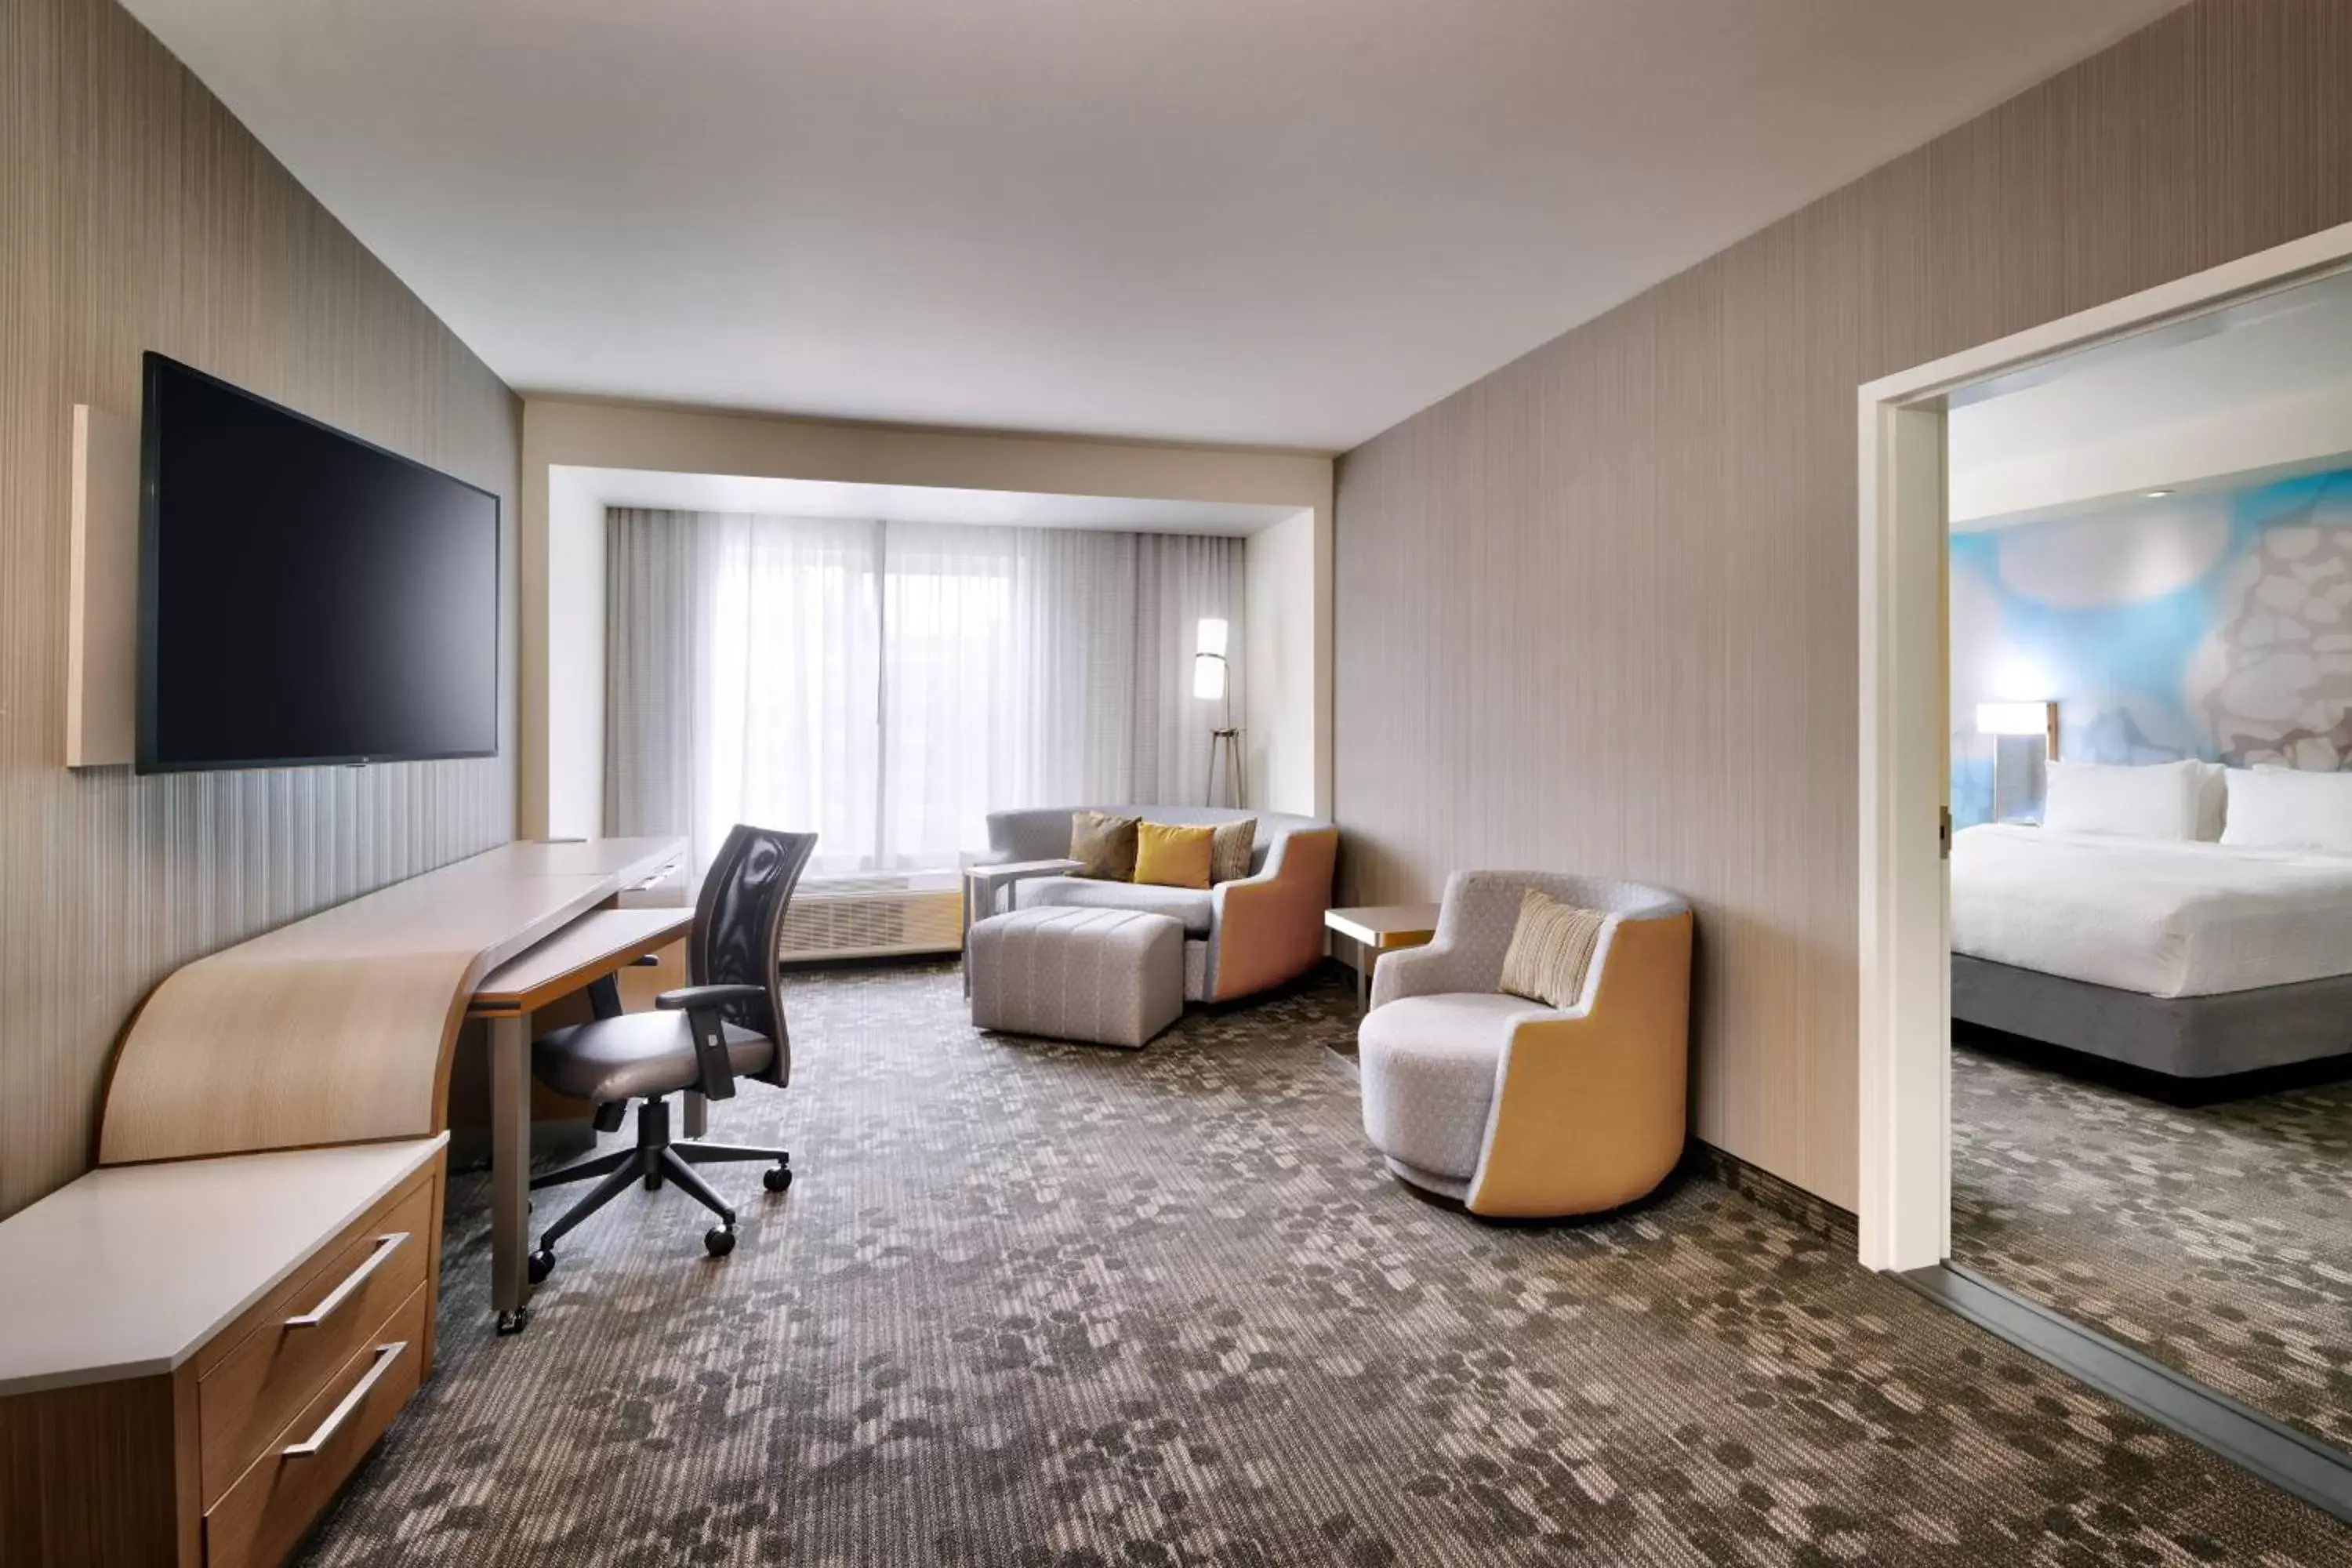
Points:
(304, 597)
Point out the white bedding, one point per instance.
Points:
(2164, 918)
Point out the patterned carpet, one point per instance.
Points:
(1035, 1304)
(2217, 1240)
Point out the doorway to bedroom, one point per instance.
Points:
(2107, 1007)
(2149, 591)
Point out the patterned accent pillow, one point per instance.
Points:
(1174, 857)
(1229, 858)
(1103, 846)
(1552, 947)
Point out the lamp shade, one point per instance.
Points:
(2014, 717)
(1212, 638)
(1209, 673)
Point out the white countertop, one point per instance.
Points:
(126, 1271)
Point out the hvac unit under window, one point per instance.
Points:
(872, 916)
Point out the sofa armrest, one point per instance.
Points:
(1269, 927)
(1592, 1104)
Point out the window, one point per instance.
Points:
(890, 684)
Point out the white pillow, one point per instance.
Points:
(2287, 807)
(2157, 801)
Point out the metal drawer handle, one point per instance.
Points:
(385, 1245)
(384, 1356)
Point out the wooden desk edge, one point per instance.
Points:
(487, 1004)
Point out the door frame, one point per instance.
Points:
(1904, 1207)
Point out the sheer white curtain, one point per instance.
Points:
(892, 684)
(742, 680)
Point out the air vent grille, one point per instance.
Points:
(872, 916)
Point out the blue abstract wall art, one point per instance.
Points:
(2216, 625)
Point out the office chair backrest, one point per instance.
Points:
(738, 921)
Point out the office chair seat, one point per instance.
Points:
(635, 1056)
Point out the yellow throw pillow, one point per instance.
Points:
(1552, 947)
(1174, 857)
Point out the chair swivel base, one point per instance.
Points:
(653, 1161)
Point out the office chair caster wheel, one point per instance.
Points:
(539, 1265)
(720, 1239)
(777, 1179)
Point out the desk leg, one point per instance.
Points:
(510, 1170)
(698, 1114)
(964, 955)
(1366, 956)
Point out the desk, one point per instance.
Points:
(599, 943)
(339, 1029)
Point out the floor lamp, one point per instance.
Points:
(1212, 682)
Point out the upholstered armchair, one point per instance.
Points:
(1516, 1109)
(1240, 936)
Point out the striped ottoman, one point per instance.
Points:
(1115, 978)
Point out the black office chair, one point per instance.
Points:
(728, 1023)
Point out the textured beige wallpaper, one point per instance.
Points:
(136, 214)
(1597, 611)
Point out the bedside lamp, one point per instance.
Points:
(1212, 682)
(2014, 726)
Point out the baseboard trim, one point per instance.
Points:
(2290, 1460)
(1777, 1194)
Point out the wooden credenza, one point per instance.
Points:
(193, 1357)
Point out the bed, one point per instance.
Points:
(2192, 959)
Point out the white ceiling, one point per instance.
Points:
(1289, 222)
(910, 503)
(2256, 390)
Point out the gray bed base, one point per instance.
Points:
(2182, 1037)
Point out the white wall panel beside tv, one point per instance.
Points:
(305, 597)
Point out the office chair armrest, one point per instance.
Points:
(701, 1004)
(689, 997)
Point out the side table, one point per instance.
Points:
(1376, 929)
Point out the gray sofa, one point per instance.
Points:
(1240, 936)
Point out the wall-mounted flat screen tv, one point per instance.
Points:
(304, 597)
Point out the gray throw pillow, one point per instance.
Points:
(1103, 846)
(1229, 852)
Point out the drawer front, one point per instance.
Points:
(280, 1367)
(261, 1518)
